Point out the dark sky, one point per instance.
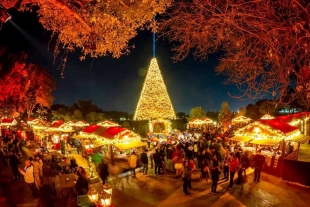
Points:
(115, 84)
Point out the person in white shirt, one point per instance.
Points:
(28, 175)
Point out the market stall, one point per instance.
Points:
(268, 136)
(240, 121)
(6, 125)
(200, 124)
(60, 133)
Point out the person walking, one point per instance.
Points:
(186, 173)
(103, 171)
(77, 144)
(234, 165)
(27, 172)
(215, 174)
(36, 173)
(259, 161)
(40, 162)
(14, 162)
(241, 180)
(157, 161)
(133, 163)
(145, 162)
(227, 161)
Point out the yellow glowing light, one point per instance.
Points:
(154, 100)
(256, 129)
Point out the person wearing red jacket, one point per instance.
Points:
(234, 165)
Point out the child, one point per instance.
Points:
(215, 173)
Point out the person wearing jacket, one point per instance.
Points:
(157, 161)
(36, 172)
(259, 161)
(145, 162)
(215, 173)
(81, 184)
(227, 160)
(234, 165)
(14, 162)
(186, 173)
(28, 175)
(133, 163)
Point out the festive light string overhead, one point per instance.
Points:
(154, 100)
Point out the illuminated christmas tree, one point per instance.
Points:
(154, 100)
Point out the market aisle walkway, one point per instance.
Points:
(165, 191)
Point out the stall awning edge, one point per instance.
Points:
(241, 138)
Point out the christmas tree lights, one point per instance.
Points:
(154, 100)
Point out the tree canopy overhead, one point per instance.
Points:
(97, 27)
(265, 43)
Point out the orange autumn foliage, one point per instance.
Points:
(23, 86)
(96, 27)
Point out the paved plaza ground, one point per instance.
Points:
(164, 191)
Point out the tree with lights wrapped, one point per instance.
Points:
(154, 100)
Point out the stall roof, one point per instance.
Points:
(269, 142)
(8, 121)
(56, 124)
(90, 129)
(278, 125)
(111, 132)
(200, 121)
(124, 146)
(300, 138)
(241, 119)
(108, 123)
(241, 138)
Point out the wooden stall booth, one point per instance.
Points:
(199, 124)
(269, 136)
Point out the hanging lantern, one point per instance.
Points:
(107, 188)
(106, 199)
(92, 195)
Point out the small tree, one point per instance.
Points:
(197, 113)
(225, 116)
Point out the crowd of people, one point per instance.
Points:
(209, 153)
(15, 154)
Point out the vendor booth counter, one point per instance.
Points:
(269, 149)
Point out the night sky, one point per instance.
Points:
(115, 84)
